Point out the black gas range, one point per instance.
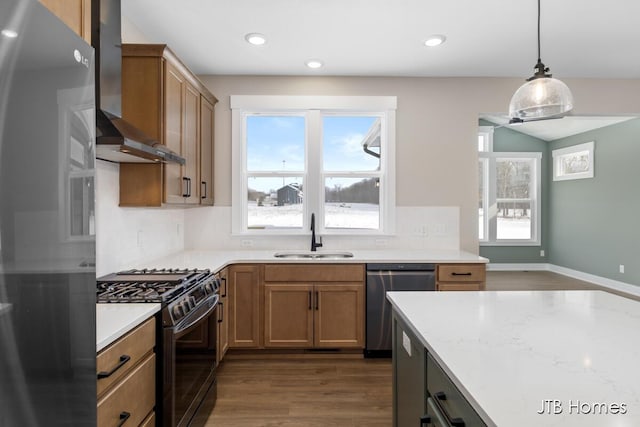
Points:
(186, 384)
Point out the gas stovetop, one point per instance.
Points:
(150, 285)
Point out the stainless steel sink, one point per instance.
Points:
(312, 255)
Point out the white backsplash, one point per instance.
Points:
(417, 227)
(130, 237)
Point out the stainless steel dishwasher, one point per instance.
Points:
(385, 277)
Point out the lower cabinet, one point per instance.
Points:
(223, 317)
(126, 372)
(245, 310)
(327, 311)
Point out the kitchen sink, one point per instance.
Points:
(312, 255)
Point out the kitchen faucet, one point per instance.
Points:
(314, 245)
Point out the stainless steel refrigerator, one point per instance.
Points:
(47, 221)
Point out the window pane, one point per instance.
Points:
(274, 202)
(275, 143)
(513, 178)
(352, 203)
(575, 163)
(81, 206)
(514, 220)
(351, 143)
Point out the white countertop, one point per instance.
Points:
(509, 351)
(115, 320)
(216, 260)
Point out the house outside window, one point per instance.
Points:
(330, 156)
(509, 187)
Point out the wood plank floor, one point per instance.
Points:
(332, 392)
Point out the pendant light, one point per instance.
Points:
(541, 96)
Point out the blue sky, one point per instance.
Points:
(272, 140)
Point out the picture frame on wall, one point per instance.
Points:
(574, 162)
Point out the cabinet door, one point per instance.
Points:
(206, 152)
(339, 315)
(191, 143)
(75, 13)
(244, 306)
(288, 315)
(223, 319)
(409, 377)
(174, 87)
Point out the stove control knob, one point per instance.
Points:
(192, 301)
(208, 288)
(178, 311)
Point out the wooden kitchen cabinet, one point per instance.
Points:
(223, 317)
(318, 306)
(126, 372)
(75, 13)
(166, 101)
(461, 277)
(245, 308)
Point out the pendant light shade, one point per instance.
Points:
(541, 96)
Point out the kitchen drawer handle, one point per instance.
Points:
(425, 420)
(204, 192)
(224, 293)
(185, 186)
(189, 187)
(221, 319)
(124, 416)
(461, 274)
(310, 300)
(454, 422)
(123, 359)
(317, 301)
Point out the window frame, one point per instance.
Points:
(313, 108)
(490, 187)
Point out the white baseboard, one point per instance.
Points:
(591, 278)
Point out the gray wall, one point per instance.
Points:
(508, 140)
(595, 222)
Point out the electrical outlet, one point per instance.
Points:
(542, 252)
(139, 238)
(622, 268)
(246, 243)
(381, 242)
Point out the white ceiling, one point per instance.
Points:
(580, 38)
(550, 130)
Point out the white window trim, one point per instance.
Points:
(243, 105)
(491, 212)
(559, 154)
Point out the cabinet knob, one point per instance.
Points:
(425, 420)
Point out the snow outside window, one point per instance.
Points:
(331, 156)
(509, 186)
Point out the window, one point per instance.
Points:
(509, 187)
(331, 156)
(575, 162)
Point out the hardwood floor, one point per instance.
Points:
(332, 392)
(303, 393)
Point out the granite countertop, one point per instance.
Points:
(508, 352)
(115, 320)
(217, 260)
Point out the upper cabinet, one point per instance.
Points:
(165, 100)
(75, 13)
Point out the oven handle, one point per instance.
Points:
(189, 321)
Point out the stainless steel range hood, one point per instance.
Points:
(116, 139)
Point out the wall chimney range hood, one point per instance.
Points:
(116, 139)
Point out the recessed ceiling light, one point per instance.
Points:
(255, 39)
(435, 40)
(9, 33)
(314, 63)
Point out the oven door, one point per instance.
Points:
(193, 343)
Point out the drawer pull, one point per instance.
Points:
(461, 274)
(124, 416)
(123, 359)
(425, 420)
(455, 422)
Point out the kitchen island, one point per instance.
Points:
(539, 358)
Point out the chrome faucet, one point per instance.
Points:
(314, 245)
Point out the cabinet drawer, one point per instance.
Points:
(126, 353)
(150, 421)
(133, 398)
(447, 397)
(314, 273)
(465, 286)
(461, 273)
